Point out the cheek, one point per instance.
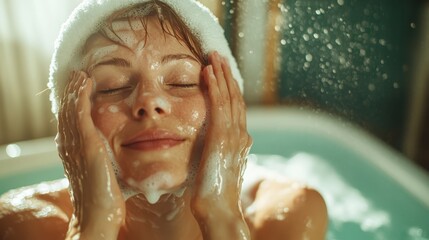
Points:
(193, 114)
(108, 118)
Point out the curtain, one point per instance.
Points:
(28, 29)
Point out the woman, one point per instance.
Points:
(152, 133)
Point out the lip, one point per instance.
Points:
(151, 140)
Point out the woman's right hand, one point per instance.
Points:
(99, 208)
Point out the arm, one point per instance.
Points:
(98, 205)
(32, 212)
(283, 209)
(216, 202)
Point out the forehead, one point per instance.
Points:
(135, 33)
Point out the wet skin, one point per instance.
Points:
(176, 133)
(264, 204)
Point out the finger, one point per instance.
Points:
(216, 105)
(72, 113)
(215, 60)
(89, 134)
(233, 91)
(86, 124)
(241, 108)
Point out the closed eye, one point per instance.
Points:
(183, 85)
(113, 91)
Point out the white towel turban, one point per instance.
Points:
(87, 17)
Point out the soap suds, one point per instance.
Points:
(155, 186)
(113, 109)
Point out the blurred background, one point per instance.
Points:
(363, 61)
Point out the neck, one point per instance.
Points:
(169, 218)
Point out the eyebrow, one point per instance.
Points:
(174, 57)
(120, 62)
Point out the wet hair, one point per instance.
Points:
(171, 24)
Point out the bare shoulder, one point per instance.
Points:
(39, 211)
(284, 209)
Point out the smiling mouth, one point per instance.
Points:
(154, 144)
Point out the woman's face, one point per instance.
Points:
(148, 103)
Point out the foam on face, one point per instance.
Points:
(113, 109)
(155, 186)
(97, 54)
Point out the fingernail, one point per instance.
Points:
(210, 69)
(217, 55)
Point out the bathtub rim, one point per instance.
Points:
(405, 172)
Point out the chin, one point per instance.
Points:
(154, 181)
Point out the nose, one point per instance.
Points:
(151, 104)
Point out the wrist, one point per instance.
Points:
(223, 225)
(101, 224)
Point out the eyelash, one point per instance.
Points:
(113, 90)
(185, 85)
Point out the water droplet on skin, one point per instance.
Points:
(113, 109)
(155, 66)
(101, 110)
(140, 48)
(173, 213)
(71, 97)
(195, 115)
(163, 104)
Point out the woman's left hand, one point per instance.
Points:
(216, 202)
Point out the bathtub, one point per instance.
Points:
(372, 192)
